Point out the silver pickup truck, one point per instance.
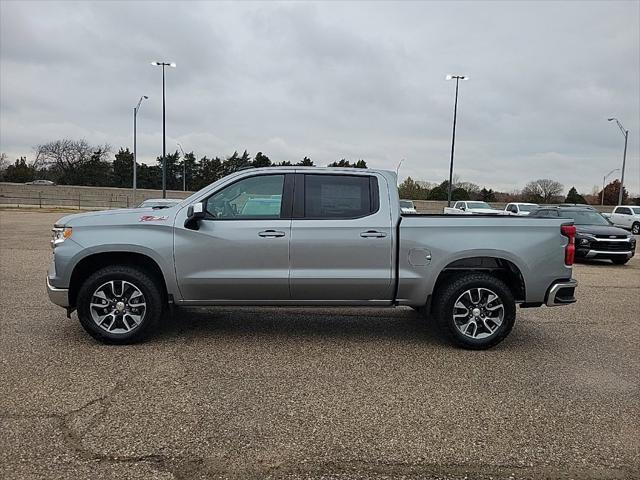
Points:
(307, 236)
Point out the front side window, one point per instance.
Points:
(338, 196)
(253, 197)
(624, 211)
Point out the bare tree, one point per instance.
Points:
(4, 161)
(65, 158)
(543, 190)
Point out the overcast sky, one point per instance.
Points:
(335, 80)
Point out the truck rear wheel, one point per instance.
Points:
(475, 310)
(635, 228)
(119, 304)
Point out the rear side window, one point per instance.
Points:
(340, 196)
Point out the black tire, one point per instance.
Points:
(135, 276)
(447, 295)
(619, 261)
(635, 228)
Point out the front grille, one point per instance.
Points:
(611, 246)
(611, 236)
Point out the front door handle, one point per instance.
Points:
(373, 234)
(271, 234)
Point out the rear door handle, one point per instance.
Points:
(373, 234)
(271, 234)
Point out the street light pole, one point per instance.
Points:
(453, 135)
(164, 131)
(604, 179)
(136, 109)
(184, 169)
(625, 133)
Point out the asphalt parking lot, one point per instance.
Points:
(315, 393)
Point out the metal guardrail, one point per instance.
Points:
(76, 201)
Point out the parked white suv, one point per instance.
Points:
(626, 216)
(519, 208)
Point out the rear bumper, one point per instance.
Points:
(59, 296)
(561, 293)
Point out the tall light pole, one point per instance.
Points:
(184, 169)
(136, 109)
(604, 179)
(164, 130)
(625, 133)
(457, 78)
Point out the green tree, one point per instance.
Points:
(487, 195)
(459, 193)
(20, 172)
(235, 163)
(149, 176)
(208, 170)
(305, 162)
(360, 164)
(261, 160)
(438, 193)
(173, 171)
(189, 168)
(411, 190)
(123, 169)
(574, 197)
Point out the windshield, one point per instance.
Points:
(478, 205)
(528, 208)
(585, 217)
(636, 210)
(406, 204)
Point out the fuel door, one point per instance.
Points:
(419, 257)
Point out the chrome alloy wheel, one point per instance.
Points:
(117, 306)
(478, 313)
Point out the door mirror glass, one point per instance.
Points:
(195, 213)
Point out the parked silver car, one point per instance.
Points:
(308, 236)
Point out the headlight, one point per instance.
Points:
(59, 234)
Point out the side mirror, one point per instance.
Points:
(195, 213)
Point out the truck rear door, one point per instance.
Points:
(341, 238)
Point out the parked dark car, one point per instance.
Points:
(596, 237)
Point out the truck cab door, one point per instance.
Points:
(240, 250)
(341, 238)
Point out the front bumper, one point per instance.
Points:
(607, 254)
(59, 296)
(561, 293)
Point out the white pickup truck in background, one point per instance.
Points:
(519, 208)
(626, 216)
(473, 208)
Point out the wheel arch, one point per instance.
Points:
(94, 262)
(498, 266)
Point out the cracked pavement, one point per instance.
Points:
(314, 393)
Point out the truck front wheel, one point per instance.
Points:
(475, 310)
(119, 304)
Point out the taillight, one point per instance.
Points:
(569, 231)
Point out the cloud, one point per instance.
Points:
(333, 80)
